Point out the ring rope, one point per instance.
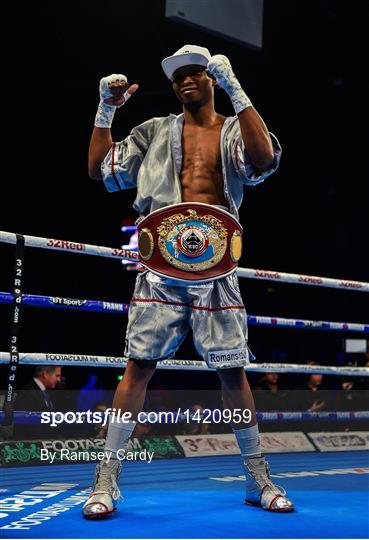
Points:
(130, 255)
(102, 306)
(196, 365)
(302, 279)
(76, 304)
(66, 246)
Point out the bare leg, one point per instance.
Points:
(129, 397)
(260, 490)
(131, 391)
(236, 393)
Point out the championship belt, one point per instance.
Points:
(190, 242)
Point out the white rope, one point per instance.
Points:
(118, 253)
(302, 279)
(197, 365)
(67, 246)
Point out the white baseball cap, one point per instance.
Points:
(185, 56)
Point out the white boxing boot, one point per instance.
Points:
(260, 490)
(105, 492)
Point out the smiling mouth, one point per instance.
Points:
(188, 89)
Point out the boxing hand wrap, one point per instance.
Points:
(104, 115)
(220, 68)
(105, 112)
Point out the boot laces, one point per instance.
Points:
(262, 478)
(106, 479)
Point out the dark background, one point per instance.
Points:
(311, 216)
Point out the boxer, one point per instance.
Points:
(203, 157)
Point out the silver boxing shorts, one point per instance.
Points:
(161, 313)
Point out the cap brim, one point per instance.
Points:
(171, 63)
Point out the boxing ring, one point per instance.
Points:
(185, 497)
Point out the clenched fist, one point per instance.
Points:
(220, 68)
(114, 92)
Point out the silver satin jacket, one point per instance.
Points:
(150, 159)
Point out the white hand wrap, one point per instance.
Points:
(220, 67)
(105, 113)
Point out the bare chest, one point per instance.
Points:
(201, 151)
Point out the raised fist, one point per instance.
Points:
(115, 90)
(220, 68)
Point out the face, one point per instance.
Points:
(50, 380)
(192, 85)
(316, 379)
(271, 378)
(197, 407)
(101, 407)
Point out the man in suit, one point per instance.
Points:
(35, 396)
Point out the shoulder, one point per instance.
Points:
(151, 126)
(30, 385)
(231, 129)
(156, 121)
(232, 125)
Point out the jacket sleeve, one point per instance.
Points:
(246, 171)
(121, 165)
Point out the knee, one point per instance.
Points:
(135, 382)
(138, 374)
(233, 379)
